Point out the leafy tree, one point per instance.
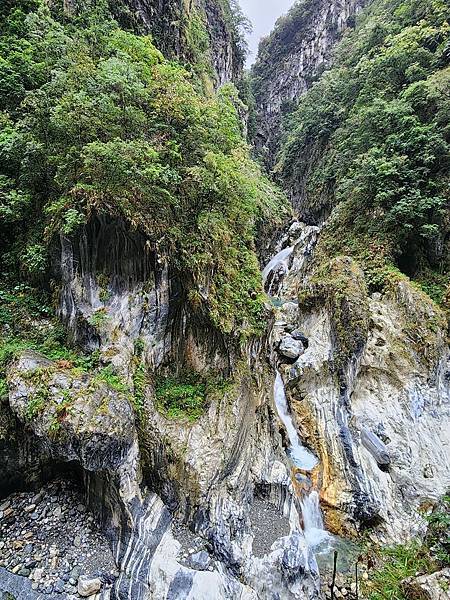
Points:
(99, 122)
(372, 138)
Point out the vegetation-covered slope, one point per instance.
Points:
(370, 142)
(94, 120)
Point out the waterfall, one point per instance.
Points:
(313, 528)
(279, 259)
(299, 455)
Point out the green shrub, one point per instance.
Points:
(101, 124)
(187, 394)
(181, 398)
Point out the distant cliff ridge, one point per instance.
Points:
(291, 58)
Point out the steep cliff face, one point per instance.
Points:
(291, 59)
(203, 419)
(204, 33)
(367, 387)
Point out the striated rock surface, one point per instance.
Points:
(206, 474)
(118, 290)
(368, 390)
(290, 59)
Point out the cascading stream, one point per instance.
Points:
(301, 457)
(279, 259)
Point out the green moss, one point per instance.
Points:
(103, 283)
(186, 396)
(339, 285)
(438, 536)
(178, 399)
(108, 376)
(434, 283)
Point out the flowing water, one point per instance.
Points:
(302, 458)
(299, 455)
(279, 259)
(313, 528)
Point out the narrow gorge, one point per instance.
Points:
(224, 300)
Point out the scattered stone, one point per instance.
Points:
(200, 560)
(300, 337)
(87, 587)
(291, 348)
(59, 586)
(38, 543)
(75, 572)
(37, 575)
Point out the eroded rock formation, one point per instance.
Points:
(367, 391)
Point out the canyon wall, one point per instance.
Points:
(290, 59)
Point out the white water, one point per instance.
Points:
(278, 259)
(313, 528)
(315, 534)
(300, 456)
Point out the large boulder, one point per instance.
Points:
(77, 416)
(291, 348)
(428, 587)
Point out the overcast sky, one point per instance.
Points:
(262, 14)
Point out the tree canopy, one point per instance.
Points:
(371, 138)
(94, 120)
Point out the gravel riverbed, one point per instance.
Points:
(51, 538)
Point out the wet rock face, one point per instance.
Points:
(290, 60)
(369, 393)
(381, 421)
(114, 289)
(224, 456)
